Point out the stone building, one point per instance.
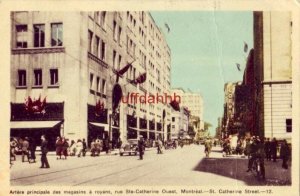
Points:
(69, 72)
(194, 103)
(273, 65)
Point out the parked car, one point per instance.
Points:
(130, 147)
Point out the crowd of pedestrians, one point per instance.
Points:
(259, 148)
(26, 147)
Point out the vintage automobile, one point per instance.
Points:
(130, 147)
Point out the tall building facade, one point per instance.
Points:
(229, 109)
(273, 61)
(69, 72)
(179, 124)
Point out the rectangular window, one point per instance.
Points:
(103, 51)
(288, 123)
(22, 77)
(21, 36)
(120, 61)
(173, 119)
(98, 84)
(119, 35)
(90, 38)
(114, 59)
(38, 77)
(103, 88)
(115, 30)
(97, 47)
(53, 76)
(97, 17)
(56, 34)
(39, 35)
(103, 19)
(91, 80)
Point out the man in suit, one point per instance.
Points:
(25, 146)
(44, 149)
(141, 147)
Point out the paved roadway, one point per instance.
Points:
(183, 166)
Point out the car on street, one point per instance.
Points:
(130, 147)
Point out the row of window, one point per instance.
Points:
(39, 35)
(98, 85)
(38, 77)
(117, 32)
(96, 46)
(100, 18)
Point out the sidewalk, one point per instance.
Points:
(19, 168)
(235, 166)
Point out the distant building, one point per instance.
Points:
(194, 103)
(229, 109)
(179, 123)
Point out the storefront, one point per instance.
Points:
(34, 124)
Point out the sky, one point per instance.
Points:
(205, 48)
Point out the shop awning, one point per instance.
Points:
(32, 124)
(102, 125)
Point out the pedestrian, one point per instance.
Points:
(98, 147)
(141, 147)
(106, 145)
(84, 147)
(44, 149)
(13, 146)
(79, 147)
(268, 149)
(93, 148)
(247, 147)
(32, 148)
(72, 148)
(252, 153)
(273, 149)
(65, 147)
(59, 147)
(261, 155)
(284, 154)
(159, 146)
(208, 146)
(25, 149)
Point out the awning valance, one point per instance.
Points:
(102, 125)
(32, 124)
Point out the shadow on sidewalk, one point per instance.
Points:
(236, 169)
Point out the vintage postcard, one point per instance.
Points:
(150, 98)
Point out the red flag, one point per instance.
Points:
(175, 105)
(99, 108)
(124, 69)
(43, 103)
(140, 79)
(28, 103)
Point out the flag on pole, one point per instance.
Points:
(175, 105)
(124, 69)
(140, 79)
(168, 28)
(245, 47)
(238, 66)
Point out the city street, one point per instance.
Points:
(183, 166)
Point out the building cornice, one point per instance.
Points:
(47, 50)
